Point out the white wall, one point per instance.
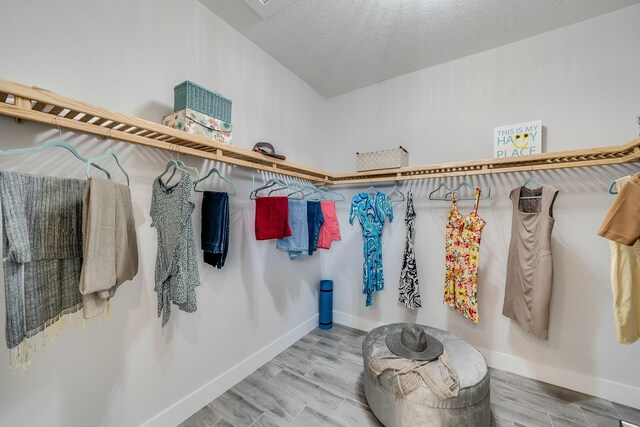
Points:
(127, 56)
(582, 81)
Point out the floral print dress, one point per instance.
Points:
(463, 249)
(371, 210)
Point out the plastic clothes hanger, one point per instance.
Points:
(170, 163)
(285, 186)
(273, 181)
(466, 184)
(322, 191)
(180, 165)
(58, 142)
(217, 172)
(49, 144)
(298, 188)
(189, 169)
(372, 190)
(310, 188)
(395, 190)
(531, 179)
(177, 164)
(338, 197)
(613, 189)
(438, 188)
(110, 153)
(463, 184)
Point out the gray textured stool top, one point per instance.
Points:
(468, 361)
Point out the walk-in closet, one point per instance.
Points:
(256, 213)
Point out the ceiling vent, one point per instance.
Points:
(267, 8)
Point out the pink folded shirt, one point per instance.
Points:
(330, 230)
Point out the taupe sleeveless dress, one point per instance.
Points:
(529, 266)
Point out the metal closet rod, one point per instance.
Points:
(39, 105)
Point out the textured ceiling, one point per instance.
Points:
(340, 45)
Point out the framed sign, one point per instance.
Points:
(517, 140)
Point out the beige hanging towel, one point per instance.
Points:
(621, 224)
(625, 260)
(530, 266)
(110, 245)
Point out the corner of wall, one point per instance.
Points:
(191, 403)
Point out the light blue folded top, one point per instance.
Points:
(298, 243)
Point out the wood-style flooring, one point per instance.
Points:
(318, 382)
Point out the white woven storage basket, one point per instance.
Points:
(385, 159)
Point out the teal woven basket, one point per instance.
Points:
(190, 95)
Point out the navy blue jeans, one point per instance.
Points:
(315, 220)
(215, 227)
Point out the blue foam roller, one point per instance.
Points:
(326, 304)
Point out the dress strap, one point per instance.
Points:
(549, 195)
(475, 208)
(453, 201)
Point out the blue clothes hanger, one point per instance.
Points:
(178, 165)
(50, 144)
(395, 190)
(291, 186)
(324, 191)
(297, 188)
(339, 197)
(438, 188)
(273, 181)
(320, 193)
(531, 179)
(310, 188)
(464, 184)
(110, 153)
(283, 186)
(372, 190)
(612, 188)
(217, 172)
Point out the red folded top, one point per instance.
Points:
(272, 218)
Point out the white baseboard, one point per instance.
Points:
(599, 387)
(355, 321)
(187, 406)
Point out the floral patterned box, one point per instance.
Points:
(196, 123)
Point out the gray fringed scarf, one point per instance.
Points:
(42, 254)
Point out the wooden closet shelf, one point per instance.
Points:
(627, 153)
(40, 105)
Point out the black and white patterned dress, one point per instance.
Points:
(177, 273)
(409, 289)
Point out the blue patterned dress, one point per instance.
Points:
(371, 210)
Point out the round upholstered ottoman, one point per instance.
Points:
(422, 408)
